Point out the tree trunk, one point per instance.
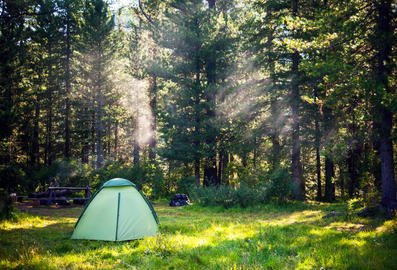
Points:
(210, 166)
(116, 141)
(108, 136)
(341, 181)
(211, 3)
(225, 164)
(255, 152)
(317, 146)
(354, 152)
(329, 125)
(136, 153)
(68, 90)
(197, 118)
(93, 130)
(210, 173)
(48, 142)
(353, 174)
(274, 135)
(329, 179)
(387, 162)
(384, 46)
(99, 116)
(274, 129)
(35, 142)
(153, 106)
(85, 142)
(197, 172)
(297, 171)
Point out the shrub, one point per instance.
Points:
(280, 185)
(227, 196)
(6, 211)
(275, 185)
(185, 184)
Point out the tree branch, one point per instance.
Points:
(144, 13)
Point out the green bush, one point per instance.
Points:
(227, 196)
(214, 195)
(6, 211)
(147, 177)
(275, 185)
(185, 184)
(13, 177)
(280, 185)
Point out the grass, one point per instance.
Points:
(291, 236)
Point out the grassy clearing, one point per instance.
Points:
(264, 237)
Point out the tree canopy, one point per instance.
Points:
(291, 96)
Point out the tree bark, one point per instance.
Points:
(98, 112)
(93, 128)
(382, 72)
(153, 106)
(136, 153)
(48, 142)
(197, 119)
(210, 166)
(255, 152)
(116, 141)
(297, 170)
(274, 135)
(329, 179)
(197, 172)
(85, 142)
(108, 136)
(68, 89)
(329, 125)
(317, 146)
(354, 152)
(318, 160)
(35, 142)
(353, 172)
(219, 166)
(48, 152)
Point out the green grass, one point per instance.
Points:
(292, 236)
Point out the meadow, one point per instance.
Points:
(272, 236)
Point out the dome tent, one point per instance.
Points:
(116, 212)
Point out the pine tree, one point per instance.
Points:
(98, 47)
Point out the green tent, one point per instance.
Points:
(116, 212)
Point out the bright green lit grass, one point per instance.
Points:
(293, 236)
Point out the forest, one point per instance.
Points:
(288, 99)
(276, 117)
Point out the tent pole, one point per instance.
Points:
(118, 212)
